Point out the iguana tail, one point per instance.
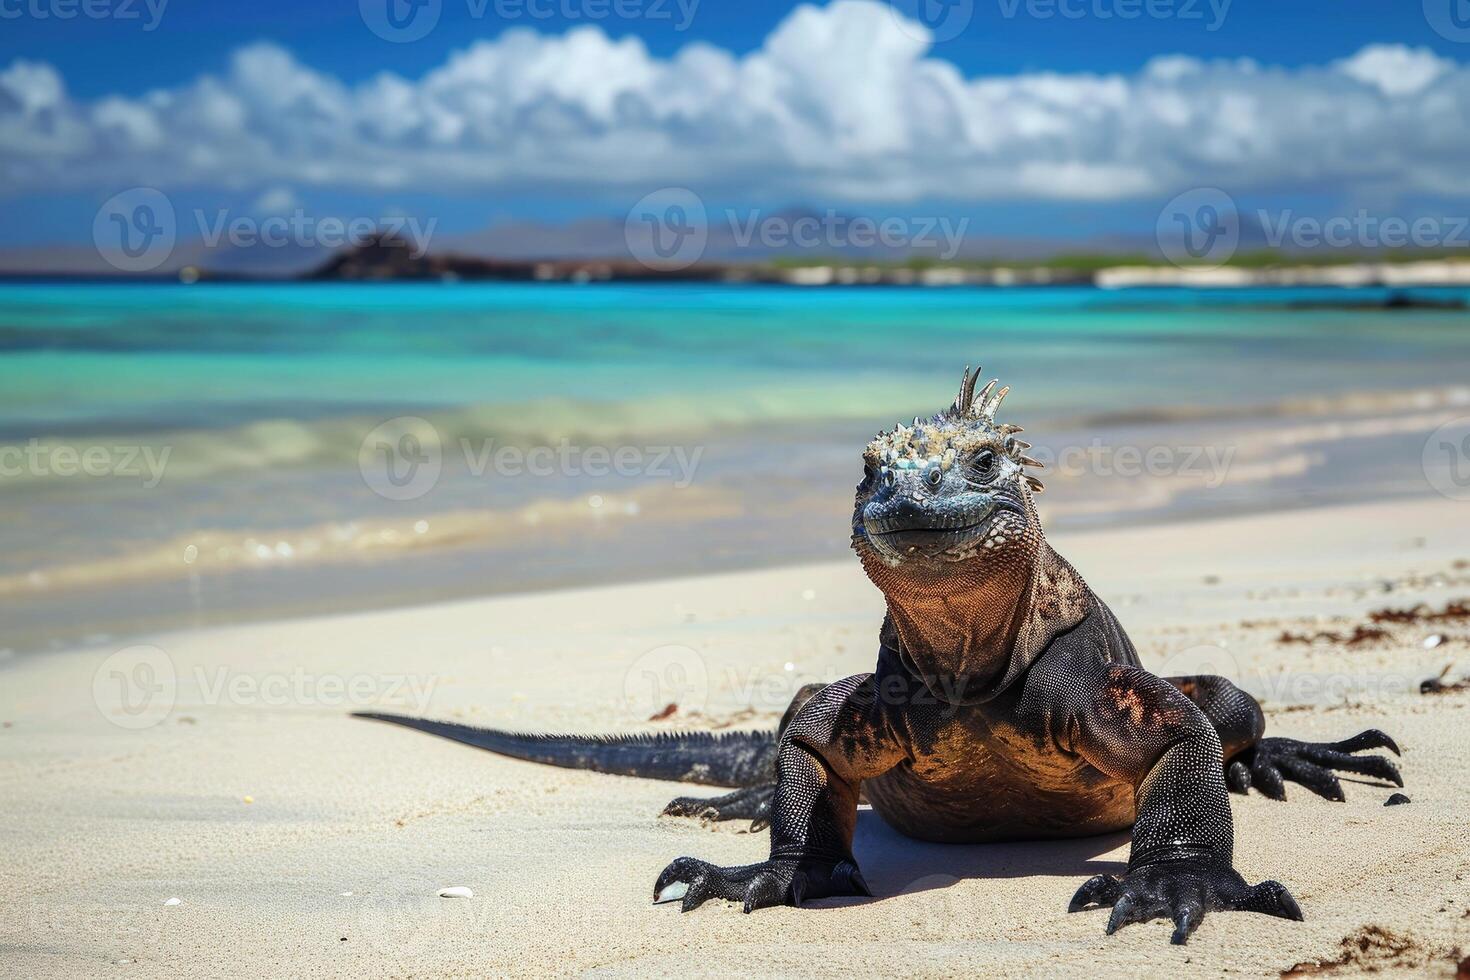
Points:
(715, 759)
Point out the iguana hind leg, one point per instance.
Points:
(751, 803)
(1265, 763)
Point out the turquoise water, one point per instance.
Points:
(263, 397)
(163, 356)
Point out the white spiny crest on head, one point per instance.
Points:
(965, 428)
(970, 406)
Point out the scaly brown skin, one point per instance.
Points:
(1008, 704)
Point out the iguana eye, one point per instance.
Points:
(983, 463)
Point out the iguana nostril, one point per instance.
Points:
(933, 474)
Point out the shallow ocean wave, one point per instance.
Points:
(469, 434)
(1331, 404)
(218, 552)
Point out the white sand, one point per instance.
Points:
(104, 823)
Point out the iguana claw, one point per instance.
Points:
(1267, 764)
(756, 886)
(752, 803)
(1183, 891)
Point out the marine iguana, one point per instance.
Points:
(1007, 704)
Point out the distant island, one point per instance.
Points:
(387, 259)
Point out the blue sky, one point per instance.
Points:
(1039, 119)
(194, 36)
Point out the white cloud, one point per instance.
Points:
(1395, 69)
(839, 102)
(276, 200)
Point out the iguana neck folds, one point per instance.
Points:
(970, 639)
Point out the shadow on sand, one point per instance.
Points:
(897, 865)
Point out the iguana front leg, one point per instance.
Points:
(1265, 763)
(1134, 726)
(839, 738)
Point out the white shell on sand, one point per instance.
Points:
(171, 901)
(458, 891)
(1432, 641)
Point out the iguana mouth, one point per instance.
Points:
(924, 542)
(883, 528)
(919, 532)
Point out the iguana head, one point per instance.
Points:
(948, 490)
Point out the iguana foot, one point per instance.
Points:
(758, 886)
(1182, 890)
(1265, 764)
(752, 803)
